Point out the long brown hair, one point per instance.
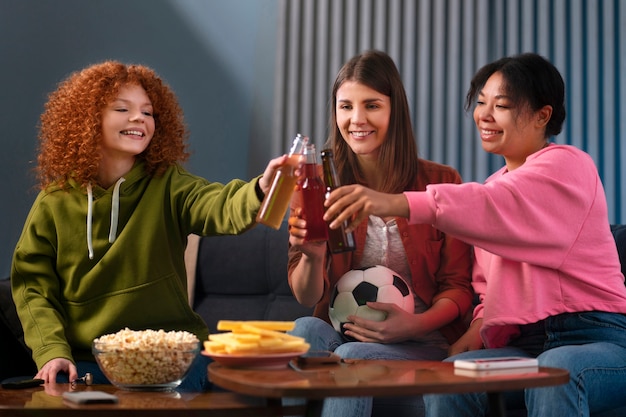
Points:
(70, 128)
(398, 153)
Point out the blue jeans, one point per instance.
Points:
(322, 336)
(590, 345)
(196, 379)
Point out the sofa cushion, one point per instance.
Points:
(17, 359)
(244, 277)
(8, 316)
(619, 233)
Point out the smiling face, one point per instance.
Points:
(127, 125)
(362, 117)
(513, 131)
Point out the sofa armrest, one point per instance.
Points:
(191, 260)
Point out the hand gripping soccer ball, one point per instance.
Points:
(358, 286)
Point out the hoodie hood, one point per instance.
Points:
(136, 173)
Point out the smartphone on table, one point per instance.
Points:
(505, 362)
(90, 397)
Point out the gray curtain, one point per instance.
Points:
(438, 45)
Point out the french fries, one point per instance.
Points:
(254, 338)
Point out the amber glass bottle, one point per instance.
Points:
(276, 201)
(338, 240)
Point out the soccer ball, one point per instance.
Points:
(358, 286)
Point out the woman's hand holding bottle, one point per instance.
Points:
(353, 203)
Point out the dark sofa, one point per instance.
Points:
(243, 278)
(231, 277)
(15, 357)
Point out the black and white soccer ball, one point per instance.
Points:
(358, 286)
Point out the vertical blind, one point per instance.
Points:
(437, 46)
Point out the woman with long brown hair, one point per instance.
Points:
(374, 145)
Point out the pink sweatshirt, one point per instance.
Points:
(542, 240)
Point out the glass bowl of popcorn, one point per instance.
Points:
(146, 360)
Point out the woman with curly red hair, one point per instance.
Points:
(103, 245)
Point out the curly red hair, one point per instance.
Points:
(71, 124)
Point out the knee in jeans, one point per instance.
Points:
(353, 350)
(567, 357)
(306, 326)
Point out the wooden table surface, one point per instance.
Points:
(382, 378)
(257, 392)
(47, 401)
(374, 378)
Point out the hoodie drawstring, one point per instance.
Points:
(115, 211)
(89, 216)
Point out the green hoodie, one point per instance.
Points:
(136, 277)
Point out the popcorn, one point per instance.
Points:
(146, 357)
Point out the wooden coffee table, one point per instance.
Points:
(256, 392)
(46, 401)
(374, 378)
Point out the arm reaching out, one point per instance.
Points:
(356, 202)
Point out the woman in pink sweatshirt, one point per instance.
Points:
(546, 267)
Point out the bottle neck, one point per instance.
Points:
(330, 173)
(298, 145)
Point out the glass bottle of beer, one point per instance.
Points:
(310, 194)
(276, 201)
(338, 240)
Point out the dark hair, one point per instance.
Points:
(70, 127)
(530, 80)
(398, 153)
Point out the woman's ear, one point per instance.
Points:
(543, 115)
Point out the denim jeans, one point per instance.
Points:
(196, 379)
(590, 345)
(322, 336)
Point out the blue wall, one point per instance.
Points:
(217, 55)
(438, 45)
(230, 62)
